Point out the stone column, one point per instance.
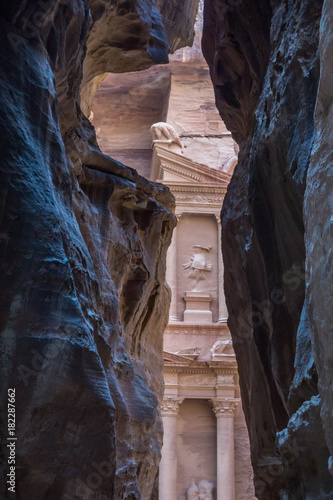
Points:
(168, 464)
(171, 275)
(223, 312)
(225, 412)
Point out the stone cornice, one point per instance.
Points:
(193, 329)
(170, 405)
(175, 169)
(225, 407)
(207, 198)
(182, 368)
(179, 187)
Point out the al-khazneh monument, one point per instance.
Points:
(205, 454)
(205, 439)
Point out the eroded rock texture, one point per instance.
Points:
(131, 35)
(265, 66)
(83, 244)
(319, 229)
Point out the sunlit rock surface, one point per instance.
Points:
(83, 243)
(265, 67)
(132, 35)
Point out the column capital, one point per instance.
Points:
(170, 405)
(225, 407)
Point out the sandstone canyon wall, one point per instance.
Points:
(83, 243)
(270, 64)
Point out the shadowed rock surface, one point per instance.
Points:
(319, 229)
(265, 66)
(83, 244)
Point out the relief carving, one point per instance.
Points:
(192, 492)
(226, 379)
(201, 492)
(203, 200)
(192, 352)
(170, 405)
(224, 407)
(222, 348)
(162, 131)
(202, 380)
(230, 165)
(198, 266)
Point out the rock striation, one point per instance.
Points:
(132, 35)
(269, 63)
(318, 227)
(83, 246)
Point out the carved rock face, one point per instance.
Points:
(265, 69)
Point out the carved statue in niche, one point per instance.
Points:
(162, 131)
(198, 266)
(192, 492)
(204, 491)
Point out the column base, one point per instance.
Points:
(198, 307)
(198, 317)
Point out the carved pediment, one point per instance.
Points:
(168, 165)
(174, 358)
(191, 353)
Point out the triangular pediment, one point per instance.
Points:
(170, 166)
(170, 357)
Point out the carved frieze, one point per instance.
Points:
(226, 379)
(198, 198)
(211, 330)
(197, 380)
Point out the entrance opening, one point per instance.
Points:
(196, 446)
